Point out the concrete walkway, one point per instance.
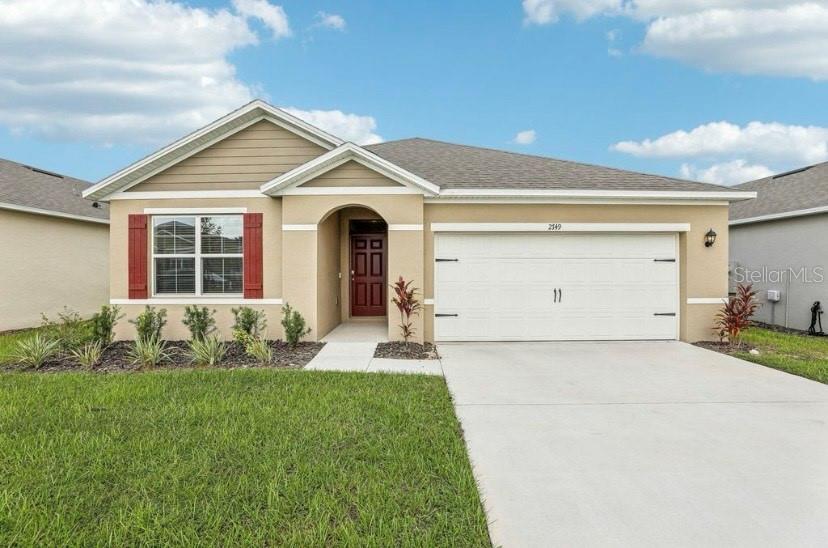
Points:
(641, 444)
(359, 356)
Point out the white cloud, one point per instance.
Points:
(331, 20)
(273, 16)
(726, 173)
(129, 71)
(758, 141)
(773, 37)
(526, 137)
(349, 127)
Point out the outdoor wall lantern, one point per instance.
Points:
(710, 238)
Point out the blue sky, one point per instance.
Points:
(583, 76)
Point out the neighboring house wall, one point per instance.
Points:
(49, 263)
(243, 160)
(703, 270)
(794, 243)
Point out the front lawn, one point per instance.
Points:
(801, 355)
(233, 457)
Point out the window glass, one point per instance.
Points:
(221, 275)
(174, 275)
(174, 235)
(221, 235)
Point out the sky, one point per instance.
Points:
(722, 91)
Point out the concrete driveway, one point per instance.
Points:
(641, 444)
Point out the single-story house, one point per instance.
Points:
(261, 208)
(54, 245)
(779, 242)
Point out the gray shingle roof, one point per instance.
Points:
(30, 187)
(455, 166)
(804, 188)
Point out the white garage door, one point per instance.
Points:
(541, 287)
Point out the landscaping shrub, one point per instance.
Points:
(35, 350)
(103, 324)
(149, 323)
(248, 323)
(407, 303)
(199, 321)
(208, 351)
(148, 353)
(294, 325)
(89, 354)
(69, 330)
(735, 315)
(258, 348)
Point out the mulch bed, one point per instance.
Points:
(115, 358)
(406, 351)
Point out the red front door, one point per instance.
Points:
(368, 275)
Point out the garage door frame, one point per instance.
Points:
(553, 228)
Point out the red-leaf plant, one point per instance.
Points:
(736, 313)
(407, 303)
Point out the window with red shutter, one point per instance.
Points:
(253, 275)
(137, 256)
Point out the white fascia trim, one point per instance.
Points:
(50, 213)
(428, 302)
(348, 190)
(186, 194)
(337, 157)
(622, 194)
(195, 300)
(192, 210)
(405, 227)
(555, 227)
(265, 111)
(572, 201)
(783, 215)
(294, 228)
(707, 300)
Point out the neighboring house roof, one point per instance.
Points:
(453, 166)
(33, 190)
(795, 193)
(445, 169)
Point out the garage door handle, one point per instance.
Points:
(664, 260)
(664, 314)
(446, 260)
(445, 315)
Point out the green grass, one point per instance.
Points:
(242, 457)
(798, 354)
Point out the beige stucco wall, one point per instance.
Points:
(703, 270)
(327, 275)
(48, 263)
(243, 160)
(270, 208)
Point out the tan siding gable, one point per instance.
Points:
(350, 173)
(243, 160)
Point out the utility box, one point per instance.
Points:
(774, 295)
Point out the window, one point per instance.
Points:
(197, 255)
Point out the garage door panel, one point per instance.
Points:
(556, 286)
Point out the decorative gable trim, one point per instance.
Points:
(286, 184)
(205, 137)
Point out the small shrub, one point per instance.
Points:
(35, 350)
(89, 355)
(259, 349)
(405, 298)
(148, 353)
(248, 323)
(208, 351)
(70, 330)
(103, 324)
(735, 315)
(199, 321)
(294, 325)
(149, 323)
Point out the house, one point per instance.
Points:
(54, 245)
(260, 208)
(779, 243)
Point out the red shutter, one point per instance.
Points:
(138, 256)
(253, 287)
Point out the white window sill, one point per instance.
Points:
(196, 300)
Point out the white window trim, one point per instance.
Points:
(707, 300)
(186, 211)
(197, 257)
(195, 300)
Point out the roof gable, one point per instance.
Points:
(205, 137)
